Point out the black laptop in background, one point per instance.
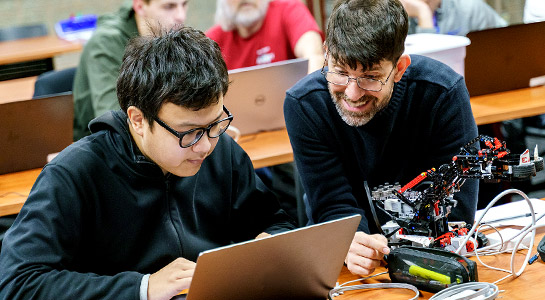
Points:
(506, 58)
(32, 129)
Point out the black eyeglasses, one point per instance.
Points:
(191, 137)
(364, 83)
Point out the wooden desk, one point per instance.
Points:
(508, 105)
(526, 286)
(30, 49)
(17, 89)
(265, 149)
(14, 189)
(35, 48)
(272, 148)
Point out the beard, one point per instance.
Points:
(359, 118)
(246, 17)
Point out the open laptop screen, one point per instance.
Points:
(32, 129)
(503, 59)
(300, 264)
(256, 94)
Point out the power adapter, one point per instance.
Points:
(507, 235)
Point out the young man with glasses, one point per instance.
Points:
(156, 183)
(375, 115)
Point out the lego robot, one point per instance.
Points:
(419, 210)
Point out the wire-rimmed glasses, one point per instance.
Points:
(364, 83)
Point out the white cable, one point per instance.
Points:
(496, 199)
(501, 243)
(533, 230)
(494, 245)
(361, 279)
(341, 289)
(526, 230)
(486, 250)
(467, 291)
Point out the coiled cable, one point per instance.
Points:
(341, 289)
(468, 291)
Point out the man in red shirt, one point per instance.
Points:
(253, 32)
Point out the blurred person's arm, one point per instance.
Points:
(103, 69)
(309, 46)
(304, 34)
(421, 12)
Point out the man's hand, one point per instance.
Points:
(262, 235)
(170, 280)
(366, 252)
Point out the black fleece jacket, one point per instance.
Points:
(101, 215)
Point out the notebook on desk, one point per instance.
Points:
(256, 94)
(300, 264)
(503, 59)
(32, 129)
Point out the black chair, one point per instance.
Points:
(28, 68)
(54, 82)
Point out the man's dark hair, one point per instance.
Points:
(181, 66)
(366, 31)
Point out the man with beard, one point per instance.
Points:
(375, 115)
(96, 75)
(254, 32)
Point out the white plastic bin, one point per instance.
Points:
(448, 49)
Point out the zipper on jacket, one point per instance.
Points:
(169, 210)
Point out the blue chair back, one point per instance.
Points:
(54, 82)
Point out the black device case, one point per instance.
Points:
(541, 249)
(430, 269)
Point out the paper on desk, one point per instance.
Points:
(512, 209)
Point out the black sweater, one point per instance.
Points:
(101, 215)
(426, 122)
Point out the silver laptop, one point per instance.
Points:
(256, 94)
(301, 264)
(32, 129)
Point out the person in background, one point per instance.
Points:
(455, 17)
(375, 115)
(125, 212)
(97, 71)
(254, 32)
